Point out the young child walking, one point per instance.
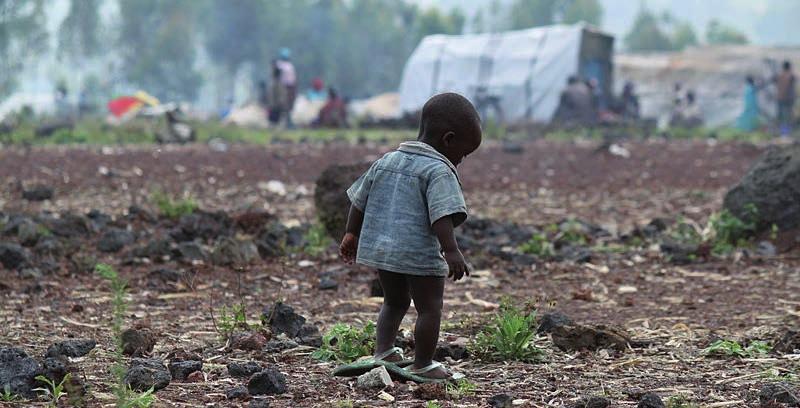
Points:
(401, 221)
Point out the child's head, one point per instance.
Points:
(451, 125)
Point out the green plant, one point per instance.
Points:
(346, 344)
(54, 391)
(571, 232)
(126, 397)
(679, 401)
(538, 245)
(509, 336)
(231, 319)
(460, 389)
(775, 374)
(773, 232)
(7, 395)
(732, 348)
(172, 207)
(730, 231)
(316, 239)
(433, 404)
(344, 403)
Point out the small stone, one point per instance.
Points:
(114, 239)
(144, 374)
(383, 395)
(190, 252)
(377, 378)
(18, 372)
(455, 350)
(550, 321)
(239, 370)
(71, 348)
(430, 391)
(13, 256)
(180, 370)
(766, 249)
(282, 318)
(231, 252)
(309, 335)
(259, 403)
(38, 192)
(500, 401)
(248, 341)
(267, 382)
(592, 402)
(138, 341)
(578, 337)
(237, 393)
(196, 377)
(279, 344)
(651, 400)
(779, 392)
(328, 283)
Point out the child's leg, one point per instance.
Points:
(427, 293)
(396, 300)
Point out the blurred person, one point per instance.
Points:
(317, 91)
(748, 119)
(576, 104)
(629, 102)
(402, 215)
(688, 114)
(785, 82)
(277, 98)
(334, 112)
(289, 81)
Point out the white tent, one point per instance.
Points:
(525, 70)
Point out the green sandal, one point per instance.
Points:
(417, 372)
(359, 367)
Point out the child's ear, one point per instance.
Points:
(449, 138)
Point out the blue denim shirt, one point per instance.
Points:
(402, 195)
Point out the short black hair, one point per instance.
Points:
(787, 65)
(448, 112)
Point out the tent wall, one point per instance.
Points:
(525, 70)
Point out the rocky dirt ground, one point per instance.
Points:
(258, 200)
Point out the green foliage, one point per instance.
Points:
(685, 232)
(651, 32)
(231, 319)
(534, 13)
(348, 403)
(23, 35)
(509, 336)
(80, 30)
(432, 404)
(346, 344)
(718, 33)
(730, 348)
(684, 36)
(538, 245)
(572, 233)
(7, 395)
(730, 232)
(54, 391)
(460, 389)
(679, 401)
(173, 208)
(316, 240)
(126, 397)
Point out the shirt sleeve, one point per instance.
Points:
(359, 191)
(445, 198)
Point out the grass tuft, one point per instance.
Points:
(346, 344)
(509, 336)
(173, 208)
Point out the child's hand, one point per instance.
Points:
(457, 264)
(348, 247)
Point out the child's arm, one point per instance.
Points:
(349, 245)
(443, 228)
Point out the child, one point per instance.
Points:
(401, 221)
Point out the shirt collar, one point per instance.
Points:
(424, 149)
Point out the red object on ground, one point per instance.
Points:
(124, 104)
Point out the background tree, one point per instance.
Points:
(534, 13)
(683, 36)
(78, 35)
(157, 43)
(574, 11)
(22, 37)
(720, 34)
(646, 34)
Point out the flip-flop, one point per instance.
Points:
(359, 367)
(418, 372)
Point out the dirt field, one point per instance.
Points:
(677, 309)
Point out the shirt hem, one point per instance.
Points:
(404, 271)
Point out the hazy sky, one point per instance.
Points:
(766, 22)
